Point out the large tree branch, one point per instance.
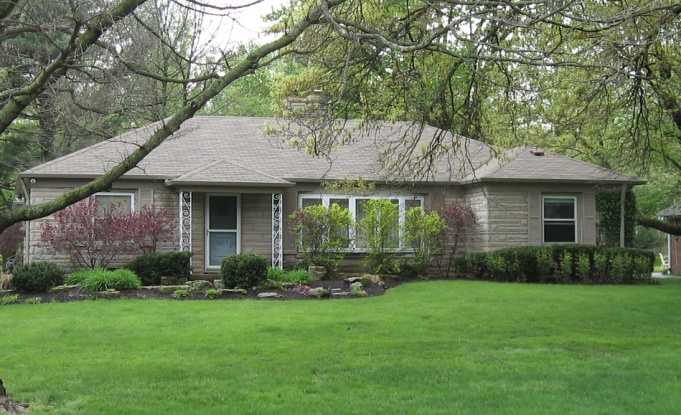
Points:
(660, 225)
(243, 68)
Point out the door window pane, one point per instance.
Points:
(221, 244)
(222, 212)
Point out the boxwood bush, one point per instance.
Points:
(151, 267)
(37, 276)
(243, 270)
(562, 263)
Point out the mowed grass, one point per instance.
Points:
(440, 347)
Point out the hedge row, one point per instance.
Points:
(562, 263)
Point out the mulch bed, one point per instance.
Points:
(78, 294)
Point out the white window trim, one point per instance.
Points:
(326, 202)
(575, 220)
(131, 194)
(209, 230)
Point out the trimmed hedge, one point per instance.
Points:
(151, 267)
(37, 277)
(244, 270)
(562, 263)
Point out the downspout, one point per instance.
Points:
(27, 225)
(623, 198)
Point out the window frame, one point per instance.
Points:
(574, 219)
(352, 207)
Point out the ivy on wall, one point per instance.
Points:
(608, 207)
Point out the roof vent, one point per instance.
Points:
(537, 152)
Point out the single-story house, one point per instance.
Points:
(232, 182)
(673, 215)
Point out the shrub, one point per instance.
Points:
(33, 300)
(9, 299)
(299, 276)
(243, 270)
(151, 267)
(544, 260)
(496, 266)
(562, 261)
(321, 233)
(276, 274)
(328, 264)
(422, 232)
(211, 293)
(78, 277)
(37, 276)
(180, 294)
(565, 267)
(378, 232)
(584, 267)
(102, 280)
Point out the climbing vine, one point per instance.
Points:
(608, 207)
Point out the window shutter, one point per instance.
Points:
(534, 220)
(589, 218)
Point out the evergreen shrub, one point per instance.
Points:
(37, 277)
(151, 267)
(560, 262)
(243, 270)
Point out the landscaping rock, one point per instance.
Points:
(340, 294)
(172, 280)
(62, 288)
(109, 294)
(288, 285)
(169, 289)
(316, 273)
(350, 280)
(218, 284)
(269, 295)
(319, 292)
(223, 292)
(199, 285)
(356, 286)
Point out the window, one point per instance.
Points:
(356, 206)
(124, 202)
(560, 219)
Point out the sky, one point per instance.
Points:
(243, 25)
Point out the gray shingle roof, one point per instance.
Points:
(237, 150)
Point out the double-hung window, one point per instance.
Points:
(357, 208)
(559, 219)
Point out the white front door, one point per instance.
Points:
(222, 228)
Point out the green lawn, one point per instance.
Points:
(442, 347)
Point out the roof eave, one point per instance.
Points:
(632, 182)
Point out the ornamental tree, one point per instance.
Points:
(92, 235)
(457, 218)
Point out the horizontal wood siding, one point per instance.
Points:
(256, 224)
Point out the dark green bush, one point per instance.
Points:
(328, 263)
(243, 270)
(560, 262)
(151, 267)
(37, 276)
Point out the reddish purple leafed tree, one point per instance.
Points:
(457, 218)
(92, 235)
